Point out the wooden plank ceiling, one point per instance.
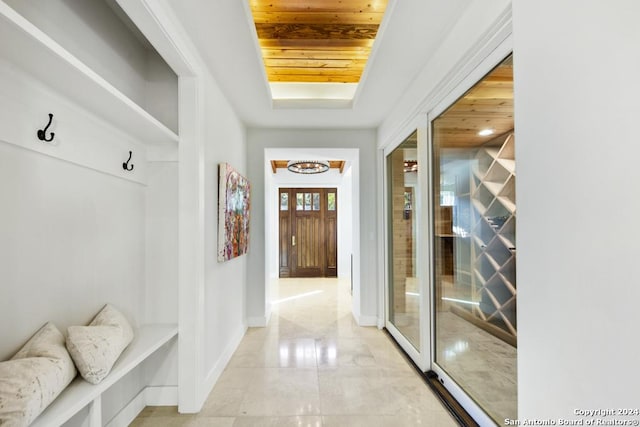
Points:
(316, 40)
(282, 164)
(487, 105)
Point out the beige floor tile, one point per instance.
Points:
(183, 421)
(277, 353)
(343, 351)
(436, 419)
(313, 366)
(298, 421)
(483, 364)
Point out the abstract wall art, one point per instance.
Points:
(233, 213)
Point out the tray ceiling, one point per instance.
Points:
(411, 33)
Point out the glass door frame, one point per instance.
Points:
(484, 67)
(422, 356)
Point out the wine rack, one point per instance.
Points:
(493, 250)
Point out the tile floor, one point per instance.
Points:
(313, 366)
(485, 366)
(481, 363)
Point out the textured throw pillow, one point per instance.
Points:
(95, 348)
(34, 377)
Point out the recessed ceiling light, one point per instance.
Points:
(486, 132)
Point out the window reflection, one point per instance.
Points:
(404, 306)
(474, 249)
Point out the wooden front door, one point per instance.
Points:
(308, 232)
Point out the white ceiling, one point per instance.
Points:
(223, 32)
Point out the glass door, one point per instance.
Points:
(403, 291)
(474, 248)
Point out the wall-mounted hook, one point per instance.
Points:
(42, 132)
(126, 165)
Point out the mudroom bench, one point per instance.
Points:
(79, 394)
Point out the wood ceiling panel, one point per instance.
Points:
(318, 6)
(343, 18)
(480, 106)
(317, 31)
(323, 63)
(340, 53)
(306, 78)
(316, 41)
(488, 105)
(327, 72)
(345, 45)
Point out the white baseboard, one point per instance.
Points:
(257, 322)
(168, 395)
(161, 395)
(221, 363)
(367, 321)
(149, 396)
(129, 412)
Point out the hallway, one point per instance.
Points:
(313, 366)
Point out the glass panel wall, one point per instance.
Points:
(474, 250)
(404, 307)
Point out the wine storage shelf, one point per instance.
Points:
(493, 199)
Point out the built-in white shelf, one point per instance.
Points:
(80, 393)
(34, 52)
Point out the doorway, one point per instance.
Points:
(308, 232)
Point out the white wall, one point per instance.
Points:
(72, 240)
(161, 265)
(161, 227)
(225, 283)
(364, 140)
(576, 68)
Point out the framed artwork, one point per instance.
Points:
(233, 213)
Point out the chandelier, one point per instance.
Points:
(308, 166)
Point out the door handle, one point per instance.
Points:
(293, 240)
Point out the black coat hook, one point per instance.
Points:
(126, 165)
(42, 132)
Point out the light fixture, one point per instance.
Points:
(486, 132)
(410, 166)
(308, 166)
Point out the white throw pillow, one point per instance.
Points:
(95, 348)
(34, 377)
